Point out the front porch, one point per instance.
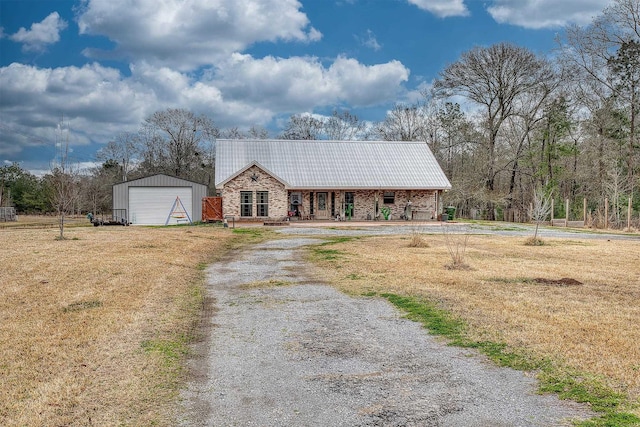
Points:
(363, 205)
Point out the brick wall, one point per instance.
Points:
(278, 199)
(423, 201)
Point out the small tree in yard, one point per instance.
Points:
(64, 192)
(62, 184)
(457, 248)
(540, 210)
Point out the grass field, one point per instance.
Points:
(584, 331)
(93, 329)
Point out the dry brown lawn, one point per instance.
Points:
(93, 328)
(592, 326)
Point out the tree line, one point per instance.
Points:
(502, 121)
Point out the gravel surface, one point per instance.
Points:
(380, 228)
(305, 354)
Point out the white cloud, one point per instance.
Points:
(94, 100)
(186, 35)
(442, 8)
(41, 34)
(537, 14)
(300, 84)
(370, 41)
(100, 102)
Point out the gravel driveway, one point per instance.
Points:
(305, 354)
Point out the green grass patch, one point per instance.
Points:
(170, 351)
(327, 254)
(168, 356)
(273, 283)
(320, 251)
(340, 239)
(508, 228)
(82, 305)
(253, 231)
(585, 388)
(439, 322)
(619, 419)
(567, 384)
(581, 388)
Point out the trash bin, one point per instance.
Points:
(445, 217)
(451, 212)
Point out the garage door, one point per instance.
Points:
(154, 205)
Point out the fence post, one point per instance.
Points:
(584, 211)
(606, 212)
(629, 214)
(552, 203)
(566, 212)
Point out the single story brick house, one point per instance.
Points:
(323, 180)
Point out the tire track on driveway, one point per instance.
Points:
(307, 355)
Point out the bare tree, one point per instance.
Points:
(343, 126)
(232, 133)
(173, 141)
(616, 186)
(254, 132)
(403, 123)
(604, 61)
(62, 182)
(625, 69)
(456, 243)
(258, 132)
(122, 150)
(497, 78)
(540, 210)
(303, 127)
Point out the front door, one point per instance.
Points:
(322, 212)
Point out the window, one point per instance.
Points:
(262, 203)
(389, 197)
(311, 196)
(246, 203)
(333, 204)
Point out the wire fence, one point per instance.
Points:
(623, 213)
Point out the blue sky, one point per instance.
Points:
(105, 65)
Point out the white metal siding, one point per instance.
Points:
(153, 205)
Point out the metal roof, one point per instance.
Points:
(320, 164)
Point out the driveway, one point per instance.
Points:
(353, 228)
(280, 350)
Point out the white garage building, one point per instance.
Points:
(159, 200)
